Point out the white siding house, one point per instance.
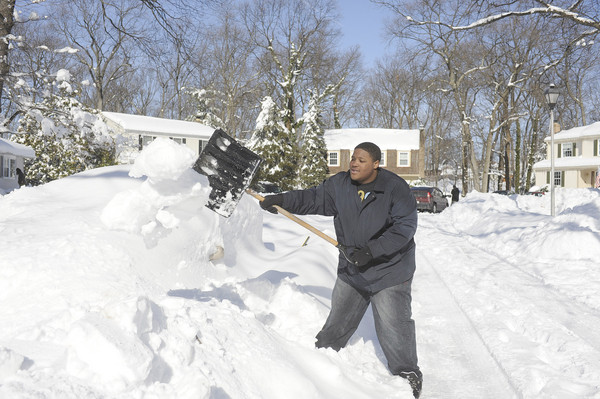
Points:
(12, 156)
(140, 130)
(576, 158)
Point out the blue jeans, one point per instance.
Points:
(393, 324)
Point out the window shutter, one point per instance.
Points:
(548, 177)
(1, 166)
(574, 149)
(562, 178)
(559, 150)
(596, 147)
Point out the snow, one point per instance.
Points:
(568, 162)
(105, 281)
(386, 139)
(140, 124)
(12, 148)
(577, 132)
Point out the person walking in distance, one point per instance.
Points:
(455, 194)
(375, 220)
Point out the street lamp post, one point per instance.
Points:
(551, 95)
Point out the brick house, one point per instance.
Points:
(402, 150)
(576, 158)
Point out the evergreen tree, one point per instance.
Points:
(313, 167)
(205, 112)
(272, 142)
(67, 137)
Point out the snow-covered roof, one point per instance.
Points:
(8, 147)
(149, 125)
(577, 132)
(569, 162)
(386, 139)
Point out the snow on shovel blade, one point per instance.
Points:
(230, 168)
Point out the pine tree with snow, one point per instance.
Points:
(313, 154)
(205, 111)
(66, 136)
(272, 142)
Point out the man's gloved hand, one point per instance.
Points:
(270, 200)
(361, 256)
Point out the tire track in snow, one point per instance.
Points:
(462, 366)
(535, 333)
(578, 317)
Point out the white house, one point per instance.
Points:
(140, 130)
(401, 149)
(576, 158)
(12, 156)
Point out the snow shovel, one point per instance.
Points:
(230, 168)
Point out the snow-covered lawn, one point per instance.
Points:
(105, 280)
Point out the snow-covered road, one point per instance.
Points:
(491, 328)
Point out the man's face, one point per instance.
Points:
(362, 167)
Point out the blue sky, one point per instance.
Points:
(362, 23)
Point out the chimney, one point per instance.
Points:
(556, 127)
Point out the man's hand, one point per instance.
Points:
(361, 256)
(270, 200)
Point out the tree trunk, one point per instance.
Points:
(7, 8)
(517, 157)
(531, 158)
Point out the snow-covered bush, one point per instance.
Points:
(313, 153)
(274, 145)
(66, 136)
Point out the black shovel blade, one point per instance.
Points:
(230, 168)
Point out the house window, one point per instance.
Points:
(147, 140)
(383, 159)
(201, 145)
(568, 149)
(558, 179)
(403, 158)
(333, 158)
(8, 167)
(178, 140)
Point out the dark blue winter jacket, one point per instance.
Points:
(385, 221)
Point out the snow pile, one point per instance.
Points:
(151, 208)
(106, 280)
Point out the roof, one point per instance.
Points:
(386, 139)
(149, 125)
(592, 130)
(9, 147)
(569, 163)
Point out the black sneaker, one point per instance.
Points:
(415, 379)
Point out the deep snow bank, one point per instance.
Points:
(86, 266)
(519, 230)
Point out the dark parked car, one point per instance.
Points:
(266, 188)
(429, 199)
(504, 192)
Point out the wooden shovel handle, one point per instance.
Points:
(297, 220)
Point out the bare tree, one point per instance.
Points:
(7, 9)
(461, 56)
(17, 74)
(289, 36)
(394, 93)
(227, 70)
(101, 33)
(581, 12)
